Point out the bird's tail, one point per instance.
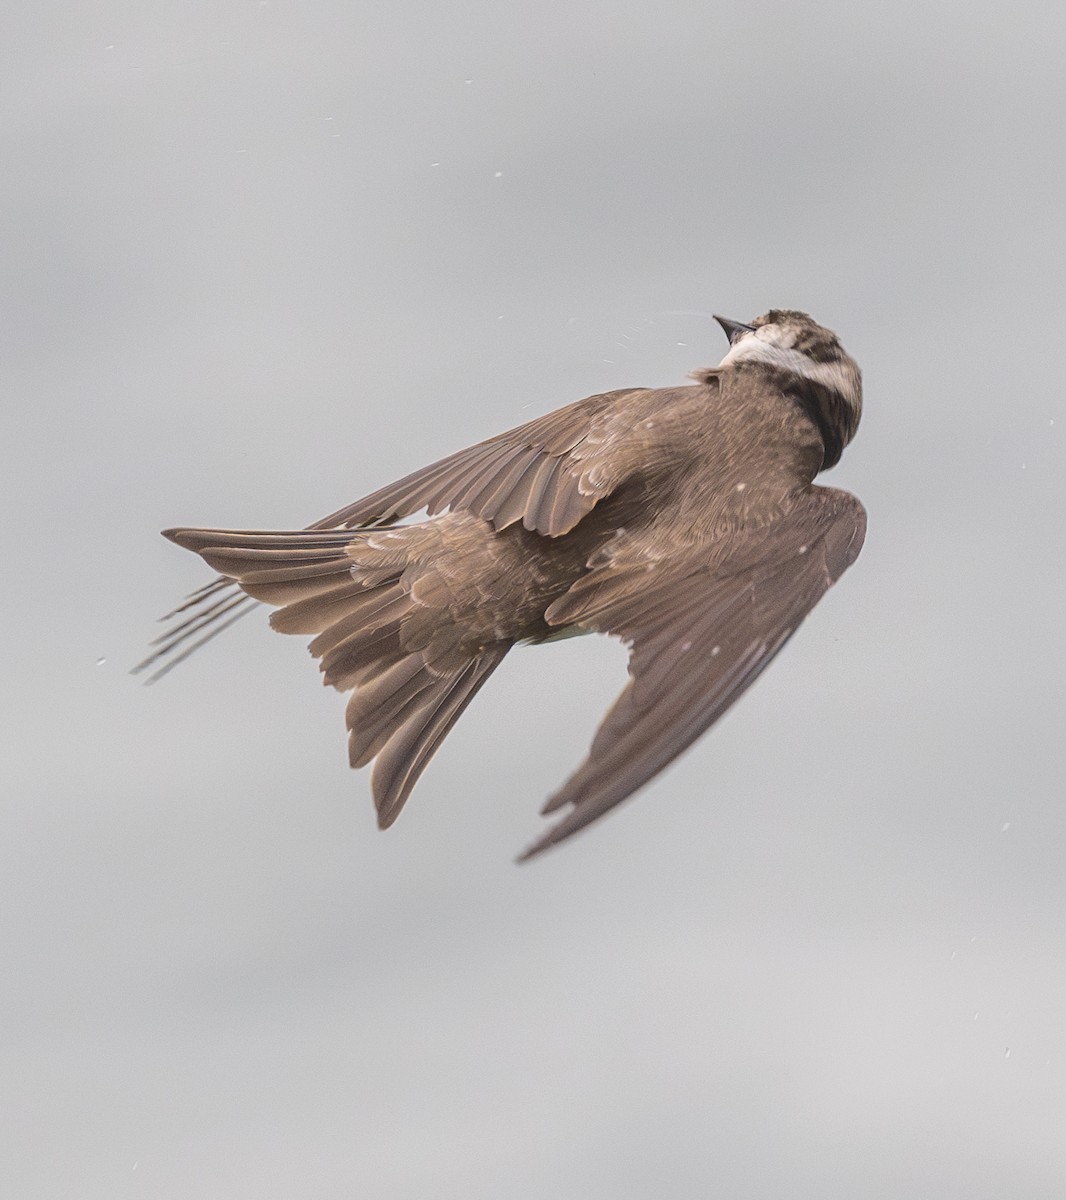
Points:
(410, 675)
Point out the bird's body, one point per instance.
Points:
(683, 520)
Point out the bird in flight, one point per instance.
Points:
(683, 520)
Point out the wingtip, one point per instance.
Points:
(174, 535)
(387, 814)
(192, 539)
(538, 847)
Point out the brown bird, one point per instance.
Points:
(682, 520)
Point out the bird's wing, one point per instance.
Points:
(698, 637)
(548, 474)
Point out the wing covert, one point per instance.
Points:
(543, 474)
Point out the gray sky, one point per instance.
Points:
(261, 258)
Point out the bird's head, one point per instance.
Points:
(807, 361)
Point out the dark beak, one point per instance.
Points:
(733, 329)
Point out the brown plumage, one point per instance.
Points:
(682, 520)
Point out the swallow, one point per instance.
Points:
(683, 520)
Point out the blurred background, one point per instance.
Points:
(263, 257)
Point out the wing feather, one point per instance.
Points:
(479, 479)
(699, 636)
(537, 473)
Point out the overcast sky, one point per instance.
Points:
(261, 258)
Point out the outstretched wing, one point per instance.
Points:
(548, 474)
(699, 637)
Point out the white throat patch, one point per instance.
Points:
(763, 346)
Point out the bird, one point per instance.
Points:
(683, 520)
